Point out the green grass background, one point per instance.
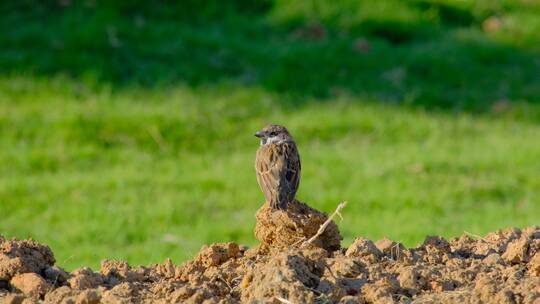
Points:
(126, 129)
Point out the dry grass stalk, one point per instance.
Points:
(325, 224)
(282, 300)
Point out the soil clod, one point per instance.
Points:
(501, 267)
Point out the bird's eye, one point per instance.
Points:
(273, 133)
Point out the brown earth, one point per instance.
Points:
(502, 267)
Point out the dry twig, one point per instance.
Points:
(325, 224)
(282, 300)
(474, 235)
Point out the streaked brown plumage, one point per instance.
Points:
(278, 166)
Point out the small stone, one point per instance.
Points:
(362, 247)
(493, 259)
(115, 272)
(392, 249)
(30, 284)
(437, 242)
(516, 252)
(217, 254)
(410, 279)
(85, 278)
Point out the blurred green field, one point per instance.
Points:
(126, 130)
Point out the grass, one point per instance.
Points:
(126, 132)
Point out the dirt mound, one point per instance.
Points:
(17, 257)
(277, 229)
(502, 267)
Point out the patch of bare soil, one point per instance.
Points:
(502, 267)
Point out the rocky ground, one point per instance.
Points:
(501, 267)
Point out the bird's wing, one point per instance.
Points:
(267, 174)
(278, 173)
(288, 167)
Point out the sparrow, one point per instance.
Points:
(278, 166)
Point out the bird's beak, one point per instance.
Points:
(259, 134)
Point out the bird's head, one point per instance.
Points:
(273, 134)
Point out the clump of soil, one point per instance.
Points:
(17, 257)
(278, 229)
(502, 267)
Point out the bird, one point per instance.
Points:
(277, 163)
